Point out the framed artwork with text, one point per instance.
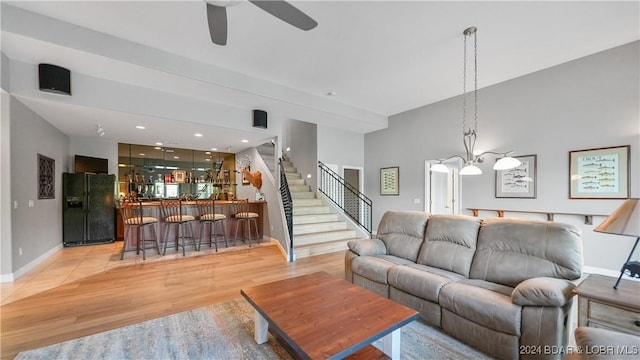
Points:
(601, 173)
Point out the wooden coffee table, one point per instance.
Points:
(320, 316)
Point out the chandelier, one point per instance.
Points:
(470, 135)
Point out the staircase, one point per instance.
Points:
(316, 228)
(267, 151)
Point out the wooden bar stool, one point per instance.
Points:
(175, 217)
(133, 219)
(242, 213)
(208, 215)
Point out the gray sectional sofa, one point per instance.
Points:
(504, 286)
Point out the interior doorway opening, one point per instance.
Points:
(352, 204)
(442, 190)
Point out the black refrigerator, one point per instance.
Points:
(89, 209)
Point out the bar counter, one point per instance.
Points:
(153, 208)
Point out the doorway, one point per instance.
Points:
(442, 190)
(352, 205)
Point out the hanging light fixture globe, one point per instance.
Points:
(506, 163)
(469, 135)
(440, 167)
(470, 169)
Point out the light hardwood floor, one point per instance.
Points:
(86, 290)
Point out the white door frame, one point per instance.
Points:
(453, 186)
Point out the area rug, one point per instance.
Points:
(223, 331)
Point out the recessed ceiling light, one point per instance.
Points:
(208, 152)
(158, 148)
(214, 149)
(140, 127)
(159, 144)
(141, 154)
(176, 157)
(198, 135)
(169, 150)
(331, 93)
(245, 141)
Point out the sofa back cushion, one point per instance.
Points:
(403, 232)
(510, 251)
(450, 242)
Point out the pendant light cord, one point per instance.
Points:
(475, 86)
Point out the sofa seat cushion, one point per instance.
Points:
(422, 281)
(487, 304)
(376, 268)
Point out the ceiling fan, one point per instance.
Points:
(217, 16)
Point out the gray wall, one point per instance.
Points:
(5, 171)
(302, 138)
(93, 147)
(36, 230)
(587, 103)
(5, 188)
(340, 147)
(4, 72)
(273, 222)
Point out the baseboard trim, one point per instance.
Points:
(4, 278)
(279, 246)
(29, 266)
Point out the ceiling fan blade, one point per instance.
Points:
(217, 17)
(286, 12)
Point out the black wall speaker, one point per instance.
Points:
(55, 79)
(260, 119)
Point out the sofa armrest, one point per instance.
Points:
(543, 291)
(367, 247)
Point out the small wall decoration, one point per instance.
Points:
(599, 173)
(179, 176)
(46, 177)
(389, 181)
(245, 179)
(519, 182)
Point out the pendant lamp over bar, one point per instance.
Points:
(469, 135)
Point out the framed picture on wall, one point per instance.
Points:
(599, 173)
(519, 182)
(46, 177)
(179, 176)
(390, 181)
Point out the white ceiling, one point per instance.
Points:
(380, 57)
